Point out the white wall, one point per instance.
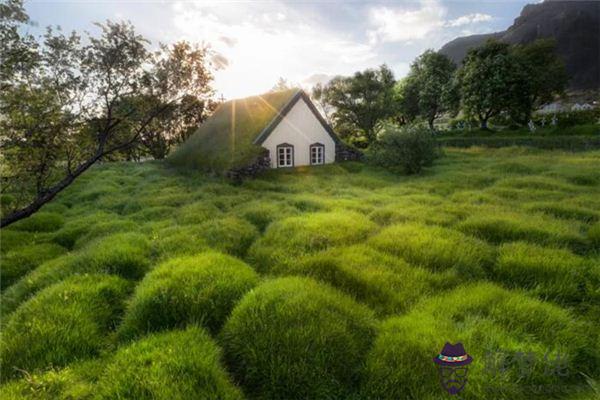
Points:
(300, 128)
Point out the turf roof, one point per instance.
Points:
(225, 140)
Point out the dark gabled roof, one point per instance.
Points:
(286, 109)
(232, 136)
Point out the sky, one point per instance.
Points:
(254, 43)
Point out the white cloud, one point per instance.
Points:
(469, 19)
(404, 25)
(259, 52)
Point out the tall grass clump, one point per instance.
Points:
(176, 241)
(196, 213)
(106, 227)
(436, 248)
(564, 211)
(17, 263)
(177, 365)
(40, 222)
(261, 214)
(493, 324)
(12, 240)
(387, 284)
(501, 226)
(202, 290)
(593, 235)
(65, 322)
(554, 274)
(230, 235)
(286, 240)
(293, 338)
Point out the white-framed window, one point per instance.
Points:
(317, 154)
(285, 155)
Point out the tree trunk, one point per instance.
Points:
(484, 124)
(48, 195)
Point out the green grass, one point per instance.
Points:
(293, 338)
(191, 290)
(176, 365)
(63, 323)
(341, 281)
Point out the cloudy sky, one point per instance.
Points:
(256, 42)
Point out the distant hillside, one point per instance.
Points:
(575, 25)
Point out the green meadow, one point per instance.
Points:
(141, 281)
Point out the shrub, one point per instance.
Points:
(435, 248)
(19, 262)
(202, 289)
(551, 273)
(293, 338)
(385, 283)
(408, 148)
(62, 323)
(168, 366)
(230, 235)
(487, 320)
(292, 237)
(40, 222)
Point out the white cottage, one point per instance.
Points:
(298, 135)
(278, 130)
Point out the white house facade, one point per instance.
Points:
(298, 136)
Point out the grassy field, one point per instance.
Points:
(341, 281)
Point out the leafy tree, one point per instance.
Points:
(543, 76)
(431, 74)
(409, 147)
(66, 103)
(359, 102)
(489, 81)
(406, 100)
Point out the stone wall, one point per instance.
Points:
(260, 164)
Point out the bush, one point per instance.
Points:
(409, 148)
(65, 322)
(436, 248)
(40, 222)
(550, 273)
(174, 365)
(286, 240)
(19, 262)
(230, 235)
(202, 289)
(487, 320)
(293, 338)
(384, 282)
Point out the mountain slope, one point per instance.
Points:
(575, 25)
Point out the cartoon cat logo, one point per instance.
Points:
(452, 364)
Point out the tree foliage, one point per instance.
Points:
(68, 102)
(359, 102)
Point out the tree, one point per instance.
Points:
(406, 100)
(359, 102)
(282, 84)
(66, 104)
(431, 74)
(543, 76)
(489, 81)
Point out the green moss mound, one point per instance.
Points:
(499, 226)
(19, 262)
(63, 323)
(284, 241)
(493, 324)
(177, 365)
(40, 222)
(387, 284)
(555, 274)
(293, 338)
(435, 248)
(230, 235)
(202, 289)
(225, 140)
